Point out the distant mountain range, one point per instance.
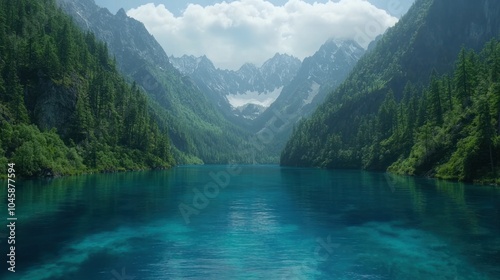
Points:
(252, 96)
(318, 75)
(201, 99)
(243, 93)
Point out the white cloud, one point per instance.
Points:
(231, 34)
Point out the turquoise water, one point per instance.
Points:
(254, 222)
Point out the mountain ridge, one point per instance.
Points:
(195, 122)
(249, 84)
(316, 76)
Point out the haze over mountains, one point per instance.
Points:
(318, 75)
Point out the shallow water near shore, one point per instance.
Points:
(254, 222)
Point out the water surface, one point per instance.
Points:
(258, 222)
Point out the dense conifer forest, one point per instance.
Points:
(64, 108)
(449, 128)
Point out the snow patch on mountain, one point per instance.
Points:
(314, 90)
(264, 99)
(249, 85)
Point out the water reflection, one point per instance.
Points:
(264, 225)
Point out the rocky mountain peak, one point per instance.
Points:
(248, 67)
(333, 58)
(279, 60)
(203, 61)
(349, 47)
(121, 13)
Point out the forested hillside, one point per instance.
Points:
(408, 107)
(198, 131)
(452, 130)
(64, 108)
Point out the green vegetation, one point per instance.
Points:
(465, 145)
(64, 108)
(449, 129)
(198, 131)
(418, 103)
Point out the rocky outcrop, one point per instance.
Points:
(53, 104)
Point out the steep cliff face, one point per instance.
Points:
(448, 26)
(318, 75)
(53, 106)
(127, 38)
(138, 54)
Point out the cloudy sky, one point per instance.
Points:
(231, 33)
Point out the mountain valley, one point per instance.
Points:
(320, 158)
(253, 97)
(341, 107)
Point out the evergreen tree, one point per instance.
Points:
(387, 116)
(485, 131)
(464, 78)
(66, 47)
(435, 107)
(14, 92)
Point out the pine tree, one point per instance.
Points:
(422, 110)
(409, 118)
(14, 92)
(387, 115)
(3, 35)
(449, 93)
(51, 59)
(82, 121)
(436, 110)
(466, 76)
(494, 93)
(484, 129)
(463, 79)
(66, 47)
